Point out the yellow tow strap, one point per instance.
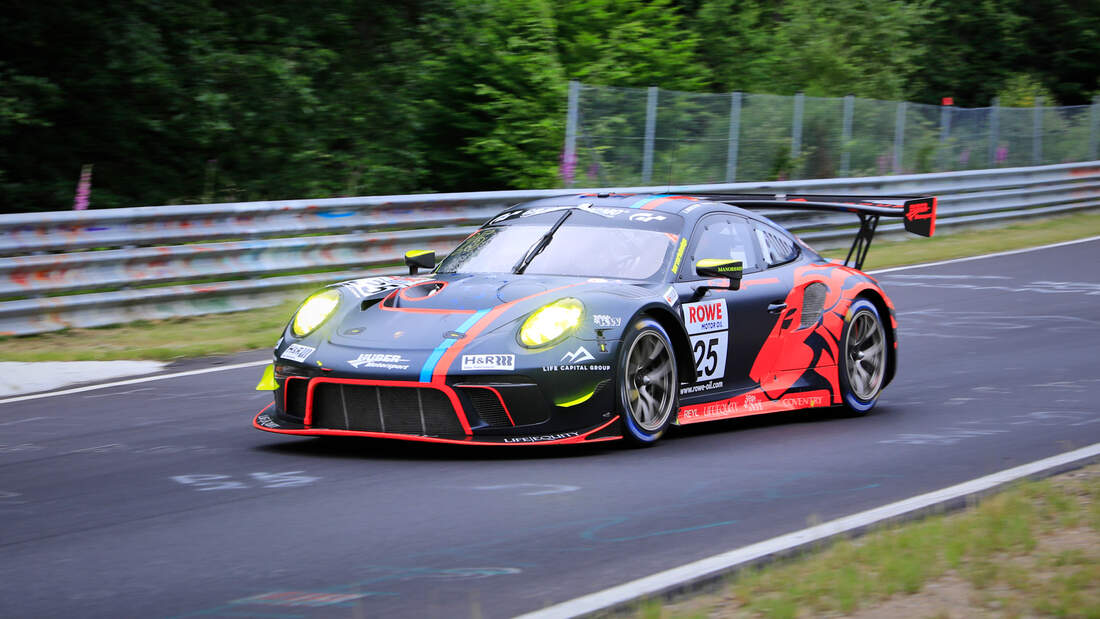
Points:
(267, 381)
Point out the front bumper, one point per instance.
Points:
(506, 409)
(607, 431)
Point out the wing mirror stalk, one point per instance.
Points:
(723, 274)
(417, 259)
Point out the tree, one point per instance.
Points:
(491, 95)
(974, 48)
(628, 43)
(861, 47)
(186, 101)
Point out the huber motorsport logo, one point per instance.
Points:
(384, 361)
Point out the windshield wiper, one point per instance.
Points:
(540, 245)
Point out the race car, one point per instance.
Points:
(596, 317)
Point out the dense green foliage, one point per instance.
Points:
(865, 48)
(198, 101)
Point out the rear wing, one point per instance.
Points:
(918, 212)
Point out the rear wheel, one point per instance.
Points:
(648, 383)
(863, 356)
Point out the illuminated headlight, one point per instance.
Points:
(314, 311)
(551, 322)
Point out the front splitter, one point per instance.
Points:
(596, 434)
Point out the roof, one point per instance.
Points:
(665, 203)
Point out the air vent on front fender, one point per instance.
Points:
(813, 301)
(294, 397)
(630, 292)
(488, 405)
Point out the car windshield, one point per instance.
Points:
(579, 250)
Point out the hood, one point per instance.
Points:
(415, 312)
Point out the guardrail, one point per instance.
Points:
(92, 268)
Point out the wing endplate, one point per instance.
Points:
(920, 216)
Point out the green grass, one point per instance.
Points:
(237, 331)
(1007, 554)
(164, 340)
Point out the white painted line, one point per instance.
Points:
(664, 581)
(136, 381)
(27, 420)
(984, 256)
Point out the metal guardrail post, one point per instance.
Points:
(846, 136)
(1094, 129)
(650, 134)
(899, 136)
(734, 137)
(796, 132)
(1037, 133)
(994, 130)
(945, 135)
(569, 157)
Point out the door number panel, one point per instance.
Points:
(708, 326)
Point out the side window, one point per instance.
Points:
(721, 236)
(775, 246)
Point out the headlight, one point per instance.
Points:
(551, 322)
(314, 311)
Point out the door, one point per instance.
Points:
(727, 328)
(796, 355)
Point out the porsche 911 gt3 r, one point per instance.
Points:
(587, 318)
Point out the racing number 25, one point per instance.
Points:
(707, 324)
(706, 357)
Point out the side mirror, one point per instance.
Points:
(417, 259)
(719, 268)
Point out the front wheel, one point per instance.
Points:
(863, 357)
(648, 383)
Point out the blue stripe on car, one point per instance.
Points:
(429, 365)
(641, 203)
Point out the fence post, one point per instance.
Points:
(650, 134)
(569, 158)
(796, 131)
(734, 137)
(1037, 133)
(899, 136)
(1094, 118)
(846, 135)
(945, 134)
(994, 130)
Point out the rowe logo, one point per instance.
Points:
(710, 311)
(705, 316)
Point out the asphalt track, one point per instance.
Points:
(158, 499)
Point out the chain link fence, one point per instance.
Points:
(639, 136)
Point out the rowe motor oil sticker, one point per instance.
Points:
(707, 325)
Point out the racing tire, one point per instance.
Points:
(649, 383)
(862, 357)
